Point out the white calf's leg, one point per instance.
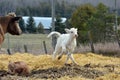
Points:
(57, 50)
(68, 56)
(54, 55)
(63, 50)
(60, 56)
(71, 57)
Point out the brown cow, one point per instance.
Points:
(9, 23)
(19, 68)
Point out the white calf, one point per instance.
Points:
(66, 43)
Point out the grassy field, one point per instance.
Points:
(91, 66)
(34, 43)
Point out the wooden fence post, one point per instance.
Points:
(44, 44)
(117, 38)
(25, 48)
(8, 50)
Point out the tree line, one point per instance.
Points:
(97, 21)
(38, 8)
(94, 23)
(31, 27)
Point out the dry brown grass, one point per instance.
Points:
(97, 62)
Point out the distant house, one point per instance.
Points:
(46, 22)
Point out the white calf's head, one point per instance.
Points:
(72, 32)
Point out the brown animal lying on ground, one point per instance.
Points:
(19, 68)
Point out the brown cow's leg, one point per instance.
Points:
(1, 39)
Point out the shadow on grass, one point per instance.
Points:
(67, 70)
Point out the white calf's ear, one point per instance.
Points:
(67, 30)
(76, 29)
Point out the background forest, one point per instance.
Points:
(96, 18)
(43, 7)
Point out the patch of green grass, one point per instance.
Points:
(33, 41)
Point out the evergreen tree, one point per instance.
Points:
(59, 26)
(80, 19)
(94, 19)
(40, 28)
(67, 24)
(30, 26)
(22, 25)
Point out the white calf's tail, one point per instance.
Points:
(54, 33)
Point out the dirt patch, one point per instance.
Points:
(54, 73)
(68, 70)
